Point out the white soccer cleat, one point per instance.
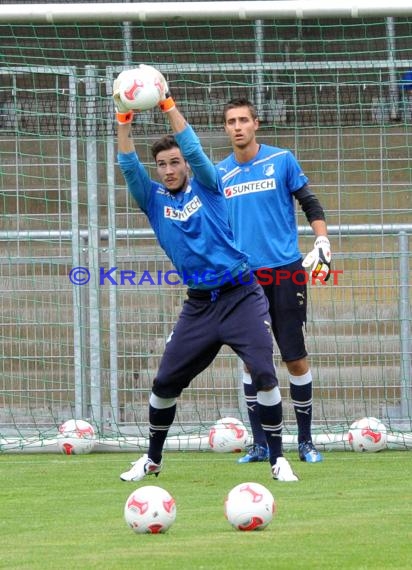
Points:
(282, 471)
(140, 468)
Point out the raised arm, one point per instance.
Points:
(137, 179)
(125, 142)
(202, 167)
(124, 119)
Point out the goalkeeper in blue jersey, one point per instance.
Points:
(261, 184)
(224, 304)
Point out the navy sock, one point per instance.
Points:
(254, 417)
(159, 425)
(302, 402)
(271, 417)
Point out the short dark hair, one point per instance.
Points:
(165, 143)
(240, 102)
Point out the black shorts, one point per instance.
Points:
(239, 318)
(285, 289)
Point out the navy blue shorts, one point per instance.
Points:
(285, 289)
(239, 318)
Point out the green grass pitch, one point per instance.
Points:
(353, 511)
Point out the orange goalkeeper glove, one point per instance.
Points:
(166, 102)
(123, 114)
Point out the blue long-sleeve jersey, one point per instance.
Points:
(259, 196)
(191, 226)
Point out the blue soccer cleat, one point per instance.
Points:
(309, 453)
(255, 453)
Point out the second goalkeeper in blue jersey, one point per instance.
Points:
(261, 184)
(259, 197)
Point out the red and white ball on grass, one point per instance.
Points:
(249, 506)
(228, 435)
(139, 89)
(368, 434)
(150, 510)
(76, 437)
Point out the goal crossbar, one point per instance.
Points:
(181, 11)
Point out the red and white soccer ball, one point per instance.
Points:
(250, 506)
(367, 434)
(228, 435)
(150, 510)
(140, 88)
(76, 437)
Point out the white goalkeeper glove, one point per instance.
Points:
(166, 103)
(319, 258)
(123, 114)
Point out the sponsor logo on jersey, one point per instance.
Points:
(250, 187)
(183, 215)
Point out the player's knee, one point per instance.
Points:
(264, 382)
(165, 390)
(298, 367)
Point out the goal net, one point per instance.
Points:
(80, 339)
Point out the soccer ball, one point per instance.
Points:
(367, 434)
(140, 88)
(230, 420)
(228, 435)
(76, 437)
(150, 510)
(249, 506)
